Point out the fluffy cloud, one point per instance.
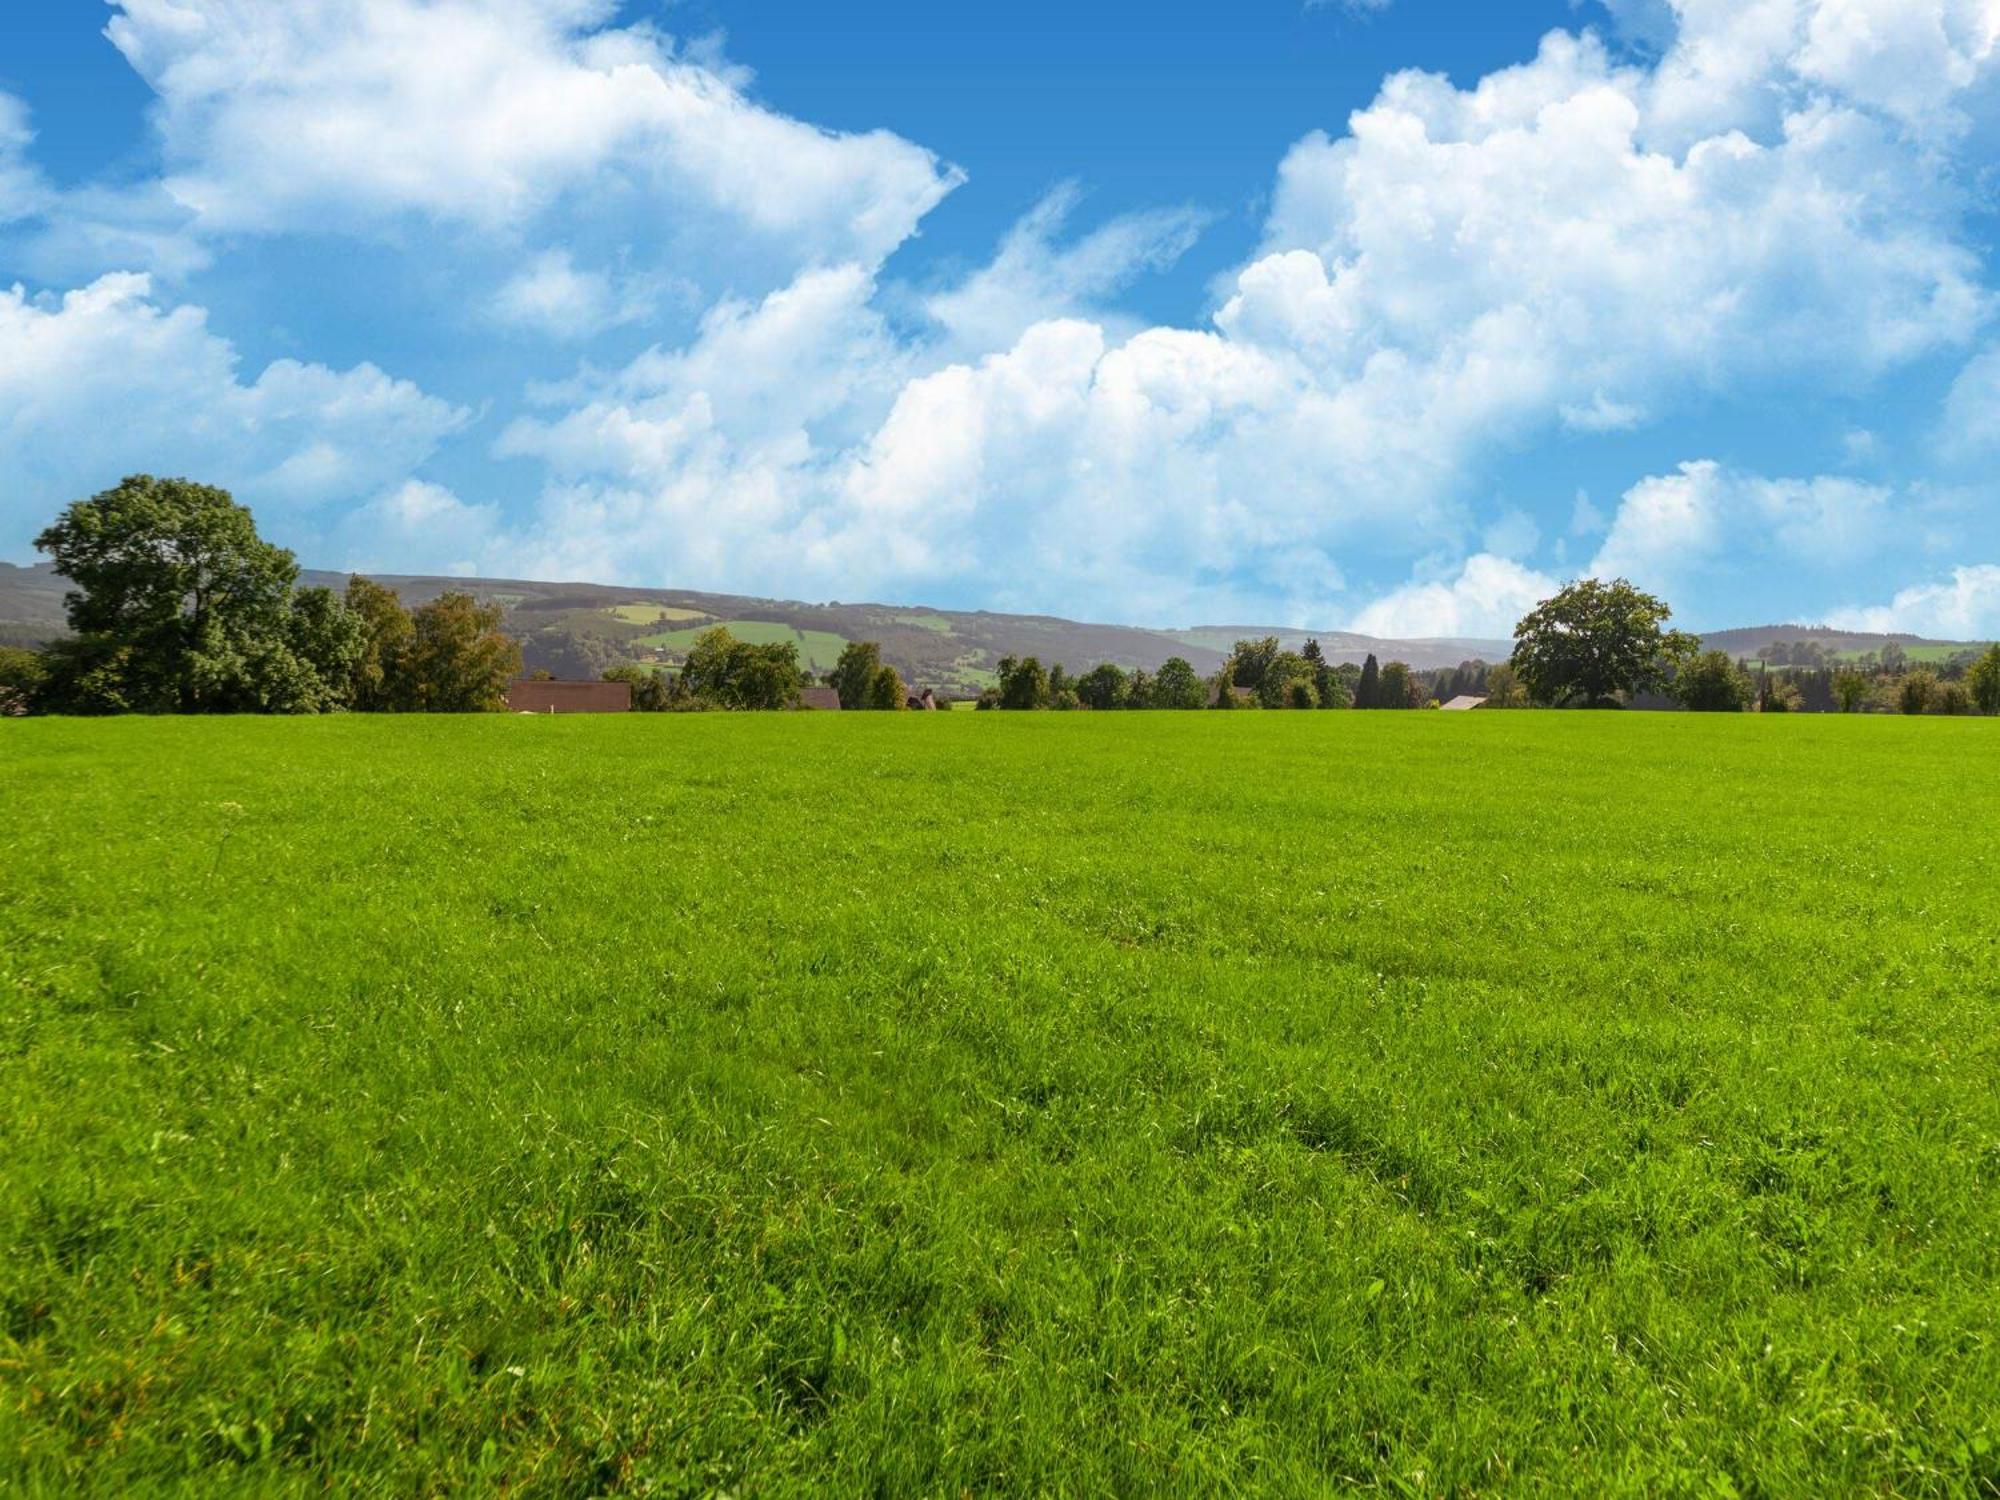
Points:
(1033, 278)
(487, 114)
(1964, 607)
(1583, 244)
(1465, 269)
(1486, 597)
(1703, 523)
(105, 381)
(551, 296)
(1971, 428)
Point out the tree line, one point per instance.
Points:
(179, 606)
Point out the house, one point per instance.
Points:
(1245, 697)
(1461, 704)
(818, 697)
(525, 695)
(926, 699)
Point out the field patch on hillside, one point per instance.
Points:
(818, 649)
(647, 614)
(940, 1104)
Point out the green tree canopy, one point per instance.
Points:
(1712, 683)
(1104, 686)
(1982, 680)
(385, 639)
(1594, 641)
(885, 690)
(457, 660)
(651, 692)
(853, 676)
(1177, 686)
(727, 673)
(1023, 683)
(1368, 690)
(178, 605)
(1398, 688)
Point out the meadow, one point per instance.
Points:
(980, 1103)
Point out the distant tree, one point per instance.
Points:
(1777, 695)
(1916, 691)
(651, 692)
(1177, 686)
(21, 676)
(571, 655)
(1222, 690)
(1894, 657)
(1312, 653)
(886, 691)
(458, 661)
(1368, 692)
(767, 677)
(178, 605)
(1398, 688)
(1283, 674)
(1593, 641)
(1982, 680)
(1250, 663)
(1504, 688)
(1334, 685)
(1103, 687)
(853, 676)
(1711, 683)
(1139, 689)
(1952, 698)
(380, 680)
(1023, 684)
(1850, 690)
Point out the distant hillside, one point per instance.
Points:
(1754, 641)
(578, 629)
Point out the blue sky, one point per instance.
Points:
(1389, 316)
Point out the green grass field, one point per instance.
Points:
(819, 650)
(1055, 1104)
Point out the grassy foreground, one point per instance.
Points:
(918, 1104)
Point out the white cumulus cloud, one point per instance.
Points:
(1965, 606)
(489, 113)
(105, 381)
(1485, 598)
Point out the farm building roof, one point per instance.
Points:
(527, 696)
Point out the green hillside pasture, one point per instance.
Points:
(1046, 1104)
(647, 614)
(818, 649)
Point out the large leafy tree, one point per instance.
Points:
(457, 660)
(1595, 641)
(178, 605)
(727, 673)
(386, 631)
